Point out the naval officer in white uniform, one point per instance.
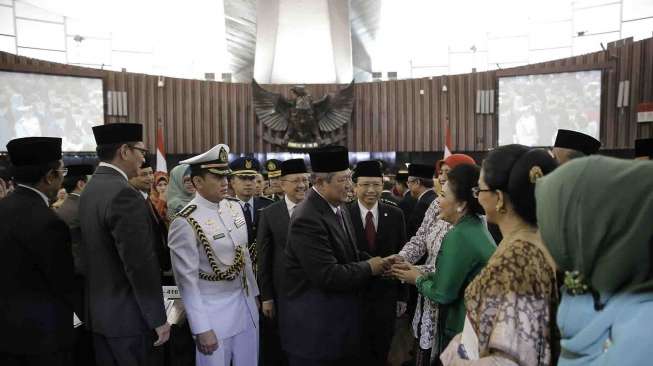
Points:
(212, 266)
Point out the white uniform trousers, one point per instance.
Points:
(239, 350)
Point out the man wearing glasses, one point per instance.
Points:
(36, 264)
(380, 231)
(420, 183)
(271, 240)
(124, 304)
(325, 271)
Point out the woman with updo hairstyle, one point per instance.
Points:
(511, 304)
(465, 250)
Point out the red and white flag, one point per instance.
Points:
(161, 165)
(447, 140)
(645, 112)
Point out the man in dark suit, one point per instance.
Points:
(143, 183)
(124, 302)
(420, 183)
(36, 265)
(74, 183)
(320, 318)
(245, 170)
(380, 231)
(407, 202)
(273, 168)
(271, 241)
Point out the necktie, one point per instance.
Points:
(370, 231)
(248, 220)
(341, 220)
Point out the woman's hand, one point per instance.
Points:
(405, 272)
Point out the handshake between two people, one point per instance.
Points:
(395, 267)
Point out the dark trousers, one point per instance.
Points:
(44, 359)
(270, 343)
(299, 361)
(127, 351)
(378, 317)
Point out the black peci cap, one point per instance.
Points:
(115, 133)
(329, 159)
(293, 166)
(34, 150)
(79, 170)
(369, 168)
(578, 141)
(421, 171)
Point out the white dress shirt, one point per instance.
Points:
(374, 211)
(290, 205)
(114, 168)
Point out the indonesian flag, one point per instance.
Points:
(447, 140)
(645, 112)
(161, 165)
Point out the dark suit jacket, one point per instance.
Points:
(272, 233)
(407, 205)
(69, 213)
(390, 238)
(418, 213)
(324, 275)
(123, 284)
(36, 267)
(160, 230)
(259, 204)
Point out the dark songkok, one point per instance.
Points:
(330, 159)
(116, 133)
(273, 166)
(370, 168)
(79, 170)
(644, 147)
(293, 166)
(421, 171)
(401, 176)
(245, 166)
(34, 150)
(578, 141)
(215, 161)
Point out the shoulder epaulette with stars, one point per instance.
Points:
(232, 199)
(187, 211)
(388, 202)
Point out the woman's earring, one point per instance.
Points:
(459, 209)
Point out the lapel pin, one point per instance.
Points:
(385, 214)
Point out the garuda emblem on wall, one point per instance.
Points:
(301, 122)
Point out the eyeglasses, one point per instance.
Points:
(297, 181)
(370, 185)
(476, 191)
(141, 150)
(63, 171)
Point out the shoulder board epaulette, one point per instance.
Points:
(232, 199)
(267, 198)
(187, 211)
(388, 202)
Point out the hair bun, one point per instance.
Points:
(535, 173)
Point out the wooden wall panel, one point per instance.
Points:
(397, 115)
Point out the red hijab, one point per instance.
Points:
(453, 161)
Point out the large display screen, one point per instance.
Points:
(533, 107)
(49, 105)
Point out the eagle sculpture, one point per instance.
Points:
(301, 118)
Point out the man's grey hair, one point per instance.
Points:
(327, 177)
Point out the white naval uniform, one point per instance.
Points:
(224, 306)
